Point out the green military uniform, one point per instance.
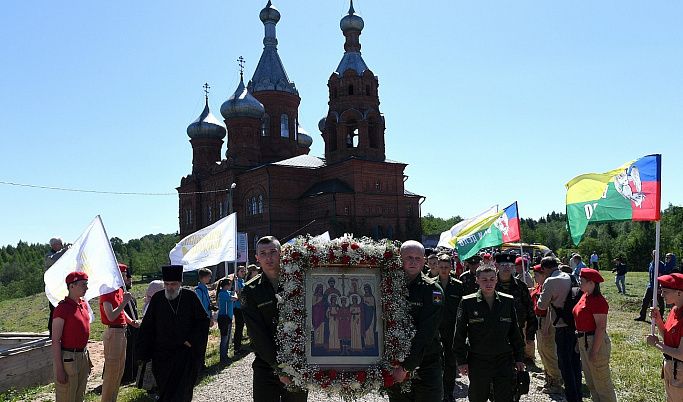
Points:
(452, 293)
(469, 283)
(524, 306)
(426, 307)
(259, 307)
(489, 342)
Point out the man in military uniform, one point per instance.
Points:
(452, 293)
(260, 311)
(526, 317)
(469, 278)
(424, 357)
(488, 345)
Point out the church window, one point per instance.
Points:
(220, 210)
(351, 134)
(378, 185)
(253, 205)
(190, 217)
(260, 204)
(351, 89)
(346, 210)
(296, 130)
(372, 135)
(265, 127)
(209, 214)
(246, 207)
(367, 90)
(284, 125)
(255, 241)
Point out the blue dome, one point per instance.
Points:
(242, 104)
(269, 13)
(206, 126)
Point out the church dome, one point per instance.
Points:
(206, 126)
(303, 138)
(321, 124)
(242, 104)
(269, 13)
(351, 21)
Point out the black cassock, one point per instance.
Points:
(163, 332)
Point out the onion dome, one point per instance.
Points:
(351, 21)
(242, 104)
(206, 126)
(303, 138)
(321, 124)
(269, 13)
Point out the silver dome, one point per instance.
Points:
(321, 124)
(303, 138)
(351, 21)
(206, 126)
(269, 13)
(242, 104)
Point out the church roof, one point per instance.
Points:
(328, 187)
(352, 60)
(303, 161)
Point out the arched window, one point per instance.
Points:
(284, 125)
(367, 90)
(220, 210)
(260, 204)
(247, 209)
(209, 214)
(346, 210)
(351, 89)
(296, 130)
(378, 185)
(265, 127)
(253, 205)
(255, 241)
(190, 217)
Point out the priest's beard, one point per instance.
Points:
(171, 295)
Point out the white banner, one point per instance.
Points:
(208, 246)
(458, 227)
(92, 254)
(242, 248)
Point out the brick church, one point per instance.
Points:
(268, 177)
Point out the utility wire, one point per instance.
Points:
(106, 192)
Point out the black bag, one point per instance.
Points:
(521, 384)
(573, 297)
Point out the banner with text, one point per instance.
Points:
(208, 246)
(494, 230)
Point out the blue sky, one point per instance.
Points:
(487, 101)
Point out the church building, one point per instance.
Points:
(268, 177)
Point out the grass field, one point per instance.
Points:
(635, 366)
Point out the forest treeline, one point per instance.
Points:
(22, 266)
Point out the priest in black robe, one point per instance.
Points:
(173, 334)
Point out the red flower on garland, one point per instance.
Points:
(318, 375)
(315, 260)
(332, 374)
(360, 376)
(345, 246)
(355, 246)
(388, 254)
(295, 256)
(389, 381)
(345, 259)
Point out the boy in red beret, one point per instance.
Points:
(70, 333)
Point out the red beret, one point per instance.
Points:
(76, 276)
(538, 268)
(672, 281)
(592, 275)
(123, 267)
(519, 260)
(487, 255)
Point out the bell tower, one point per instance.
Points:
(354, 126)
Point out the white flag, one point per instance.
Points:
(92, 254)
(208, 246)
(458, 227)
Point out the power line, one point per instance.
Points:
(106, 192)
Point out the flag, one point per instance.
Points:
(630, 192)
(92, 254)
(208, 246)
(494, 230)
(445, 238)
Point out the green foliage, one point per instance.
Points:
(432, 224)
(22, 267)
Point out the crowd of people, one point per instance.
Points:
(483, 318)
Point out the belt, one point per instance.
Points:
(117, 326)
(77, 350)
(585, 336)
(676, 361)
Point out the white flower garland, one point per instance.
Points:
(307, 253)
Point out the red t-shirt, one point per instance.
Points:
(673, 328)
(76, 322)
(535, 292)
(584, 310)
(115, 298)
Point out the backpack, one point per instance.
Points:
(572, 299)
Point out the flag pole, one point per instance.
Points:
(655, 284)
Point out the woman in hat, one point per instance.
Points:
(590, 317)
(672, 292)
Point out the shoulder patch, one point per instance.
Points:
(430, 281)
(505, 295)
(470, 296)
(437, 298)
(253, 281)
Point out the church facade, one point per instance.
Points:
(268, 177)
